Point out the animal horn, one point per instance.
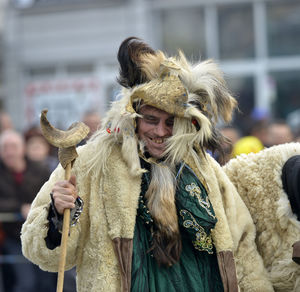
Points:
(63, 139)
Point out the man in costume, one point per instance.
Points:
(269, 184)
(159, 213)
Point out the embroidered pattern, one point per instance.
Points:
(203, 241)
(195, 191)
(143, 211)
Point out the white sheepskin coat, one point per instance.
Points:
(110, 204)
(257, 178)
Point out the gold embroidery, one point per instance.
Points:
(195, 191)
(203, 241)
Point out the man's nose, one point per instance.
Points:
(161, 130)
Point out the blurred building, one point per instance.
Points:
(61, 54)
(3, 4)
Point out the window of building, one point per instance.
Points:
(183, 28)
(84, 68)
(283, 28)
(41, 71)
(25, 4)
(287, 92)
(236, 31)
(243, 90)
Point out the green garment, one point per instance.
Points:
(197, 269)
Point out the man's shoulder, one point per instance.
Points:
(97, 157)
(90, 149)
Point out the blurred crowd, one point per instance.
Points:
(26, 162)
(259, 134)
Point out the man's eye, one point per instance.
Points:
(150, 119)
(170, 123)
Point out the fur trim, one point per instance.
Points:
(150, 64)
(110, 204)
(161, 199)
(118, 128)
(206, 81)
(185, 136)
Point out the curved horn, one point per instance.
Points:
(63, 139)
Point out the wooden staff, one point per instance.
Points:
(66, 141)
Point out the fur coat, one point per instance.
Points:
(100, 244)
(257, 178)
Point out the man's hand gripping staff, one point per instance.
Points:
(66, 141)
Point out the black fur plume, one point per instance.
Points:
(129, 59)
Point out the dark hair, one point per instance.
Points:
(33, 131)
(129, 54)
(215, 142)
(291, 182)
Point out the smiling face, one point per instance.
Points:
(154, 128)
(12, 150)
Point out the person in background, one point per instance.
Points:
(247, 144)
(19, 179)
(5, 122)
(158, 212)
(297, 136)
(258, 125)
(92, 119)
(279, 132)
(38, 149)
(269, 184)
(256, 136)
(232, 135)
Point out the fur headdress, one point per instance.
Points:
(196, 94)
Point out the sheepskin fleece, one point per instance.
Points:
(110, 204)
(257, 178)
(105, 217)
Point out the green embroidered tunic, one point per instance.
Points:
(197, 269)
